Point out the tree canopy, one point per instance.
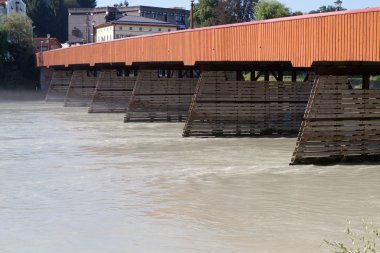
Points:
(52, 16)
(325, 8)
(16, 48)
(268, 9)
(218, 12)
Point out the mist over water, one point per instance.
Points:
(77, 182)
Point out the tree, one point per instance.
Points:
(268, 9)
(123, 4)
(19, 29)
(3, 52)
(87, 3)
(37, 10)
(217, 12)
(205, 13)
(58, 16)
(325, 8)
(16, 52)
(240, 10)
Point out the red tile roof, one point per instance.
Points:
(52, 43)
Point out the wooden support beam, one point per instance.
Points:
(366, 82)
(294, 75)
(266, 76)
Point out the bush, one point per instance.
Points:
(360, 242)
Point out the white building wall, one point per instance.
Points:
(112, 32)
(15, 6)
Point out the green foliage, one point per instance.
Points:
(205, 13)
(16, 51)
(325, 8)
(363, 242)
(18, 28)
(268, 9)
(37, 10)
(218, 12)
(87, 3)
(52, 18)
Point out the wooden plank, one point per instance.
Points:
(157, 98)
(222, 106)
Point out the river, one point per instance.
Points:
(77, 182)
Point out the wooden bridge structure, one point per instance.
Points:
(311, 75)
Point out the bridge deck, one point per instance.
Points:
(338, 36)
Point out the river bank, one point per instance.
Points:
(21, 95)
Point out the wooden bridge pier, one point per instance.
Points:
(161, 94)
(59, 85)
(82, 87)
(342, 120)
(113, 91)
(248, 103)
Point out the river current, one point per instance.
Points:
(77, 182)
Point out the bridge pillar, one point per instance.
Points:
(227, 105)
(59, 85)
(113, 91)
(82, 88)
(340, 123)
(161, 96)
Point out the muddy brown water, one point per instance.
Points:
(77, 182)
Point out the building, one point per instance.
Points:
(11, 6)
(176, 16)
(82, 21)
(129, 26)
(45, 44)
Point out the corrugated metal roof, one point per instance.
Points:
(337, 36)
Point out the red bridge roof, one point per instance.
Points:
(338, 36)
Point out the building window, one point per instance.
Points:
(169, 30)
(131, 28)
(150, 29)
(166, 17)
(140, 29)
(159, 29)
(120, 28)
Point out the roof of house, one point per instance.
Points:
(53, 42)
(137, 20)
